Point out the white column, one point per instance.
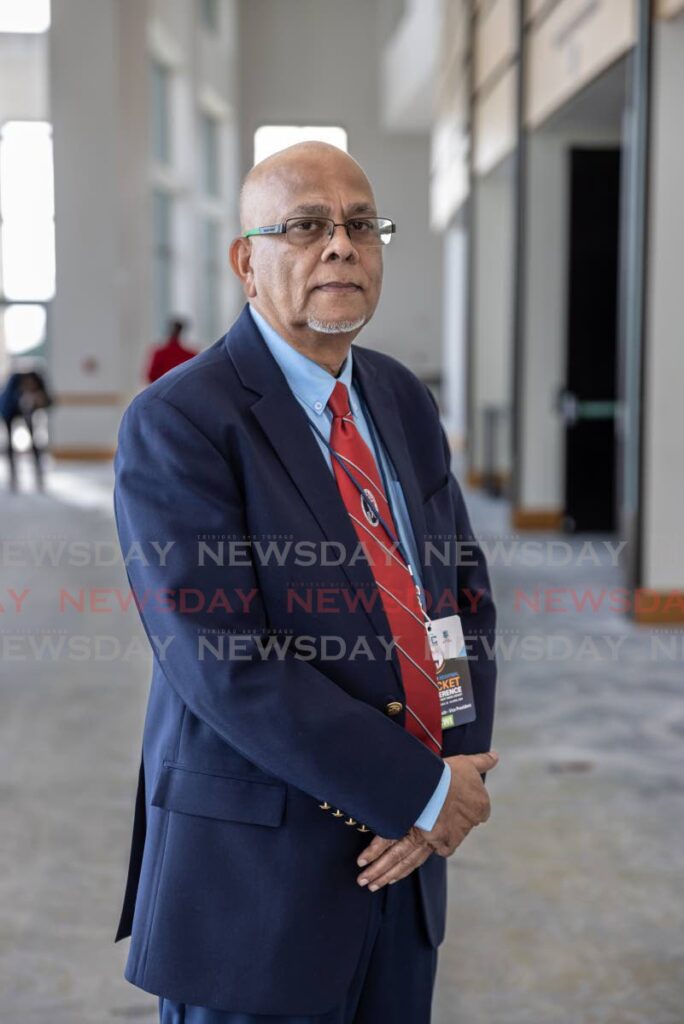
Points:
(454, 346)
(85, 102)
(663, 494)
(492, 315)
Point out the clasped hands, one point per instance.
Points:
(466, 805)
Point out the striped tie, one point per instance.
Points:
(392, 576)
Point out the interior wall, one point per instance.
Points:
(318, 62)
(102, 326)
(205, 80)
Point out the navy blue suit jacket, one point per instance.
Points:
(241, 891)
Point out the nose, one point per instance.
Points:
(339, 246)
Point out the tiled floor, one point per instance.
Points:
(565, 909)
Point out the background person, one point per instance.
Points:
(171, 353)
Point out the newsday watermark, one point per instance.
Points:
(56, 646)
(226, 551)
(325, 599)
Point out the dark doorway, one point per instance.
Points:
(588, 401)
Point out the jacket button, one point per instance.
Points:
(395, 707)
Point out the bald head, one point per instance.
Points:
(317, 290)
(296, 169)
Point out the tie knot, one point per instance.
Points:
(338, 403)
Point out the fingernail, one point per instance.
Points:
(363, 881)
(372, 888)
(393, 880)
(361, 862)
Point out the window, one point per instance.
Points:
(209, 132)
(27, 235)
(23, 328)
(272, 137)
(160, 89)
(24, 15)
(210, 15)
(162, 259)
(27, 211)
(211, 280)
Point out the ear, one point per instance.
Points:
(240, 255)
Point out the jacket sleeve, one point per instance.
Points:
(282, 713)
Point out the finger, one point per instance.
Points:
(389, 858)
(402, 869)
(484, 762)
(375, 848)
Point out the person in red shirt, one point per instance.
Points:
(172, 353)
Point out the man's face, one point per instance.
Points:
(329, 286)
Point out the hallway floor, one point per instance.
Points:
(565, 909)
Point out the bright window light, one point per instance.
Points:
(24, 328)
(27, 207)
(24, 15)
(272, 137)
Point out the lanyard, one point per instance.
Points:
(376, 512)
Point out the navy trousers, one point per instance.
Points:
(392, 984)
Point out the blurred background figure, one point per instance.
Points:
(171, 353)
(24, 393)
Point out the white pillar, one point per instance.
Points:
(540, 495)
(663, 479)
(492, 317)
(454, 346)
(87, 82)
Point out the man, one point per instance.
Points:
(299, 789)
(24, 393)
(169, 355)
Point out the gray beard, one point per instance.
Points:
(334, 326)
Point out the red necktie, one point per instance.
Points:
(393, 578)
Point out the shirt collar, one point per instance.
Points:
(307, 380)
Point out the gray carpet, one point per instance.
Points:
(565, 909)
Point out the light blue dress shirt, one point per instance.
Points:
(312, 386)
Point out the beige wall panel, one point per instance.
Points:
(534, 7)
(495, 123)
(574, 44)
(495, 39)
(668, 8)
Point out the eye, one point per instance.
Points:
(307, 227)
(361, 226)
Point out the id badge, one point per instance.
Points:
(448, 650)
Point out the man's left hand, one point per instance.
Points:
(392, 859)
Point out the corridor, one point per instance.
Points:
(565, 909)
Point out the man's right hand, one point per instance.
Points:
(466, 804)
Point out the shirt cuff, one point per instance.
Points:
(430, 812)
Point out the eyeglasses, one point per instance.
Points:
(301, 231)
